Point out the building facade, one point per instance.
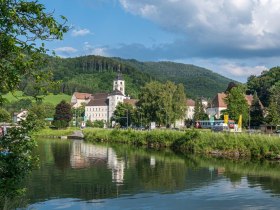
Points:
(102, 105)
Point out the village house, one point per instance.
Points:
(218, 104)
(78, 99)
(190, 109)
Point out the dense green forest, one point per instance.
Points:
(197, 81)
(96, 73)
(264, 83)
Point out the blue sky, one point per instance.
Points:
(235, 38)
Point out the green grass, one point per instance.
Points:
(47, 132)
(53, 99)
(194, 142)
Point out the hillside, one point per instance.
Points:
(95, 74)
(197, 81)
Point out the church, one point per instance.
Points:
(101, 106)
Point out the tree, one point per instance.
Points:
(162, 103)
(4, 115)
(21, 24)
(256, 112)
(98, 124)
(124, 114)
(263, 83)
(273, 116)
(62, 115)
(199, 111)
(237, 104)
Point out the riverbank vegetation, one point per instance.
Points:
(230, 145)
(53, 133)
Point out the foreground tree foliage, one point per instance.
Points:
(16, 161)
(21, 24)
(62, 115)
(162, 103)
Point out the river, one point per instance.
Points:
(79, 175)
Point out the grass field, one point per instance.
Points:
(53, 99)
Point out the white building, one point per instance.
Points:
(19, 116)
(102, 105)
(190, 109)
(80, 98)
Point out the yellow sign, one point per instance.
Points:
(240, 121)
(226, 118)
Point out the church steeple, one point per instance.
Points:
(119, 83)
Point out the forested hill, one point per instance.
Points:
(197, 81)
(96, 74)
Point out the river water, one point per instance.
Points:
(79, 175)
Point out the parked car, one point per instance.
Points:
(220, 128)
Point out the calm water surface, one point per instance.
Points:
(79, 175)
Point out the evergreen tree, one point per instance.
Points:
(237, 104)
(256, 112)
(62, 115)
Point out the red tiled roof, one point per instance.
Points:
(190, 102)
(82, 95)
(218, 101)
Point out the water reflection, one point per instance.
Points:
(80, 171)
(85, 155)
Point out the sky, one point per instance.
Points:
(235, 38)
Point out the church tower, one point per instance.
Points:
(118, 83)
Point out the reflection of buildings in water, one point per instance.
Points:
(84, 155)
(221, 170)
(152, 161)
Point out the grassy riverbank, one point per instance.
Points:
(194, 142)
(51, 133)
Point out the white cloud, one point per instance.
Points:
(80, 32)
(246, 24)
(242, 71)
(93, 50)
(237, 69)
(65, 50)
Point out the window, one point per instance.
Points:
(121, 83)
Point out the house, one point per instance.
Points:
(80, 98)
(19, 116)
(190, 109)
(101, 106)
(218, 104)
